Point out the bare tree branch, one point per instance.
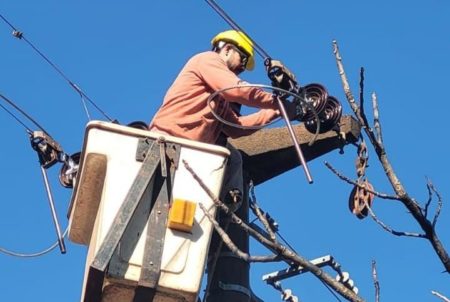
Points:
(355, 183)
(430, 198)
(230, 244)
(376, 120)
(412, 206)
(444, 298)
(264, 221)
(345, 84)
(361, 96)
(439, 204)
(260, 214)
(283, 252)
(375, 281)
(389, 229)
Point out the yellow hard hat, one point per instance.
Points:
(240, 40)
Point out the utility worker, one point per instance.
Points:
(186, 113)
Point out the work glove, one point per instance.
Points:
(291, 109)
(280, 75)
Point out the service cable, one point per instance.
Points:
(31, 255)
(235, 26)
(39, 144)
(17, 119)
(19, 35)
(262, 86)
(23, 113)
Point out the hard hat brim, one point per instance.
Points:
(250, 64)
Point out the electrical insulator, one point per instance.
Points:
(344, 278)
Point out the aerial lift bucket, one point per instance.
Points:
(134, 205)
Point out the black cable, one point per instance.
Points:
(17, 119)
(285, 242)
(30, 255)
(7, 22)
(300, 99)
(236, 27)
(22, 112)
(20, 36)
(330, 290)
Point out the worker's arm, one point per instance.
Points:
(262, 117)
(215, 73)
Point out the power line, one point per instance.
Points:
(18, 34)
(31, 255)
(23, 113)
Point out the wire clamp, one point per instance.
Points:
(17, 34)
(49, 151)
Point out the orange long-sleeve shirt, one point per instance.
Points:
(185, 112)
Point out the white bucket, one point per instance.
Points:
(107, 170)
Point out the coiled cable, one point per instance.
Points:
(309, 107)
(31, 255)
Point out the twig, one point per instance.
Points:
(439, 206)
(344, 80)
(430, 198)
(361, 98)
(352, 182)
(376, 120)
(389, 229)
(263, 218)
(375, 281)
(444, 298)
(259, 214)
(230, 244)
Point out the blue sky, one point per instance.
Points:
(124, 55)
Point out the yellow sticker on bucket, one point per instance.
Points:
(181, 215)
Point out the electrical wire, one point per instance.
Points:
(20, 36)
(31, 255)
(302, 101)
(331, 291)
(35, 144)
(23, 113)
(239, 29)
(252, 199)
(17, 119)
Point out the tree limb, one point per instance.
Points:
(230, 244)
(355, 183)
(376, 120)
(259, 214)
(284, 253)
(375, 281)
(413, 207)
(389, 229)
(444, 298)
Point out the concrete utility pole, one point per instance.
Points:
(266, 154)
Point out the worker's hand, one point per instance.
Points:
(280, 75)
(291, 110)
